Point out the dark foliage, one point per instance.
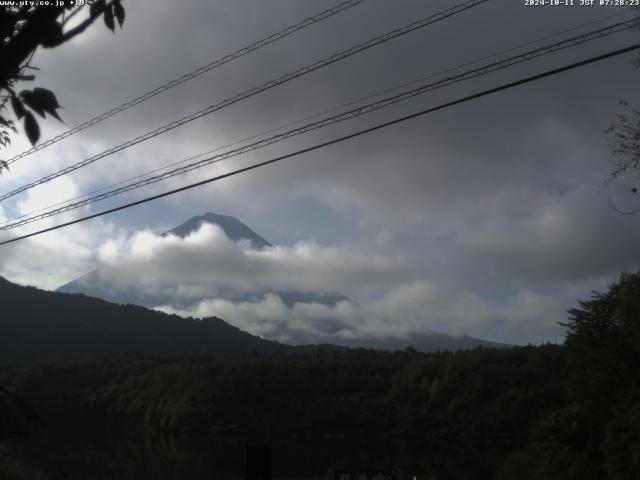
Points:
(553, 411)
(40, 325)
(483, 398)
(17, 417)
(25, 27)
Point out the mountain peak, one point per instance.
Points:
(233, 228)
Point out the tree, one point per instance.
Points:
(604, 374)
(608, 326)
(624, 139)
(24, 28)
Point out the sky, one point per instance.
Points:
(490, 218)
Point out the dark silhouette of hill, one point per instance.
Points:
(41, 325)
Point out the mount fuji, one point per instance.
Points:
(97, 284)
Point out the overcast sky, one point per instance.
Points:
(488, 218)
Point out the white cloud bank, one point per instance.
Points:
(207, 257)
(193, 276)
(411, 309)
(53, 258)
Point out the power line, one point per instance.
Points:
(193, 74)
(315, 115)
(318, 114)
(337, 118)
(256, 90)
(362, 110)
(443, 106)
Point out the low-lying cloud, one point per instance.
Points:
(413, 309)
(207, 274)
(207, 259)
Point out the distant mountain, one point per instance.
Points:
(95, 284)
(100, 285)
(426, 342)
(37, 325)
(41, 325)
(233, 228)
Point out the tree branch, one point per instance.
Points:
(623, 212)
(71, 15)
(81, 27)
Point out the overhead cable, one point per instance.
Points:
(254, 91)
(193, 74)
(507, 86)
(315, 115)
(362, 110)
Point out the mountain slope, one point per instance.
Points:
(95, 284)
(41, 325)
(233, 228)
(109, 286)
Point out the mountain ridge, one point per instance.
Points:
(233, 228)
(43, 325)
(39, 325)
(93, 285)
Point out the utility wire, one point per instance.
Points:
(362, 110)
(256, 90)
(443, 106)
(315, 115)
(193, 74)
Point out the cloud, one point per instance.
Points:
(558, 237)
(488, 203)
(207, 274)
(53, 258)
(207, 259)
(413, 309)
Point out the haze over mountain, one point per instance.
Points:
(215, 295)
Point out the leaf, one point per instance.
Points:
(17, 106)
(55, 114)
(96, 8)
(32, 101)
(50, 34)
(47, 100)
(31, 127)
(118, 10)
(108, 19)
(41, 101)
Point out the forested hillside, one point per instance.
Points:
(553, 411)
(40, 325)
